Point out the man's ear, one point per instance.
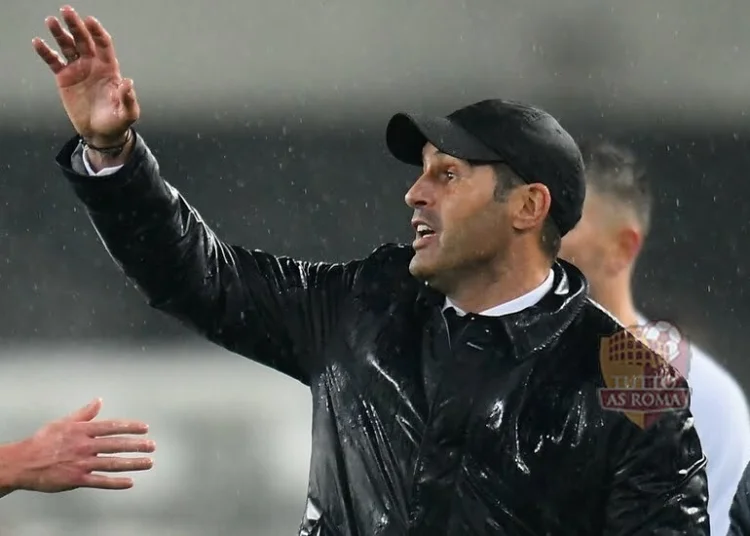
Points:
(626, 247)
(530, 205)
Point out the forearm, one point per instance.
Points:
(250, 302)
(158, 240)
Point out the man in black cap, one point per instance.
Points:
(461, 386)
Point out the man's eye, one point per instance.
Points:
(450, 175)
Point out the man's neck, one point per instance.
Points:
(617, 298)
(484, 290)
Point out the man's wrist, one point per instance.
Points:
(107, 144)
(10, 470)
(107, 157)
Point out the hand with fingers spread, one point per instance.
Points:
(100, 103)
(68, 453)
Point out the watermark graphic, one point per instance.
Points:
(644, 369)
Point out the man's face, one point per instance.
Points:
(593, 244)
(458, 222)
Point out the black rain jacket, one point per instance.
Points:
(739, 512)
(498, 431)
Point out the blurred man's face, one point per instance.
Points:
(459, 224)
(591, 244)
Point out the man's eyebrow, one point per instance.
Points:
(439, 154)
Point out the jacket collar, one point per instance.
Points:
(535, 327)
(514, 305)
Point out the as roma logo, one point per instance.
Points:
(644, 368)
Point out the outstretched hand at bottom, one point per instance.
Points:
(68, 453)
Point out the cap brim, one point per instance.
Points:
(407, 134)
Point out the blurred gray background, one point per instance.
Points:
(269, 117)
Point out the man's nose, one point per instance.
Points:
(419, 194)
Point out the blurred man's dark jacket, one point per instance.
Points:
(498, 431)
(739, 513)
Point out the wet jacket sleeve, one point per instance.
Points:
(660, 485)
(274, 310)
(739, 513)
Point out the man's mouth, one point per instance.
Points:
(424, 230)
(425, 235)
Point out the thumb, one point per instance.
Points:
(86, 413)
(128, 99)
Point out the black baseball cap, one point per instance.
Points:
(525, 138)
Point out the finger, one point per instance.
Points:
(83, 41)
(111, 445)
(128, 99)
(106, 482)
(63, 37)
(103, 45)
(49, 56)
(115, 427)
(86, 413)
(113, 464)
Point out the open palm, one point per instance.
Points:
(101, 104)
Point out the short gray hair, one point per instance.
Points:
(614, 171)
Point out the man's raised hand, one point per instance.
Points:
(100, 104)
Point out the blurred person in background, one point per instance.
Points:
(456, 382)
(66, 454)
(605, 245)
